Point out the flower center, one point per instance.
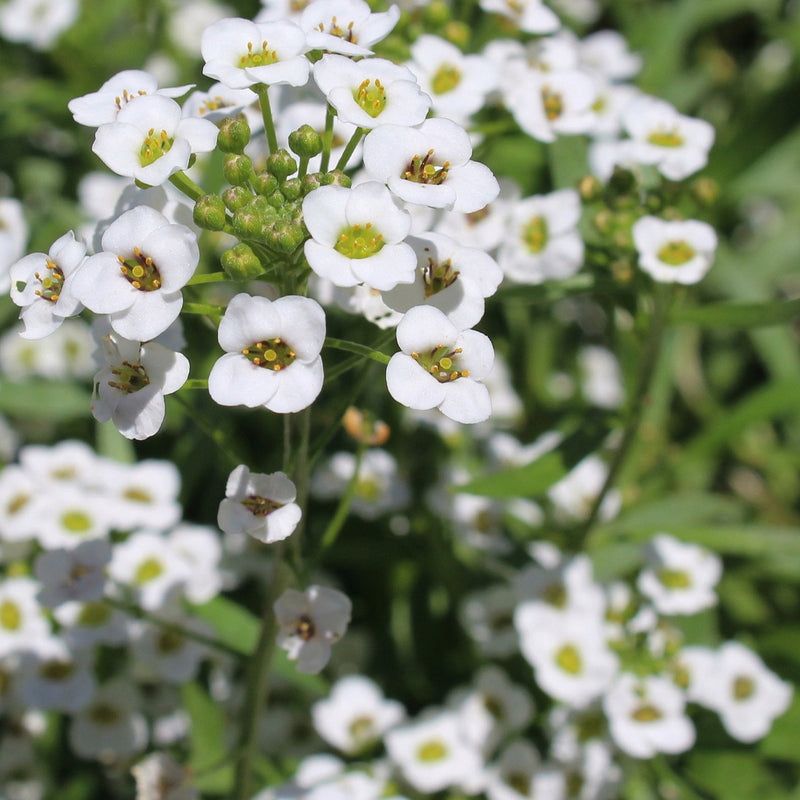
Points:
(674, 578)
(646, 713)
(104, 714)
(211, 104)
(519, 782)
(676, 253)
(126, 98)
(274, 354)
(359, 242)
(434, 750)
(51, 283)
(447, 77)
(131, 378)
(569, 659)
(590, 726)
(169, 642)
(368, 489)
(76, 521)
(362, 729)
(743, 687)
(93, 615)
(474, 217)
(55, 670)
(154, 146)
(335, 29)
(304, 628)
(258, 58)
(553, 104)
(494, 706)
(137, 495)
(437, 277)
(148, 571)
(371, 98)
(534, 234)
(555, 594)
(17, 503)
(10, 616)
(441, 362)
(666, 138)
(421, 169)
(260, 506)
(141, 271)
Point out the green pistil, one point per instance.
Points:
(140, 271)
(435, 750)
(553, 105)
(148, 570)
(76, 521)
(646, 713)
(256, 58)
(154, 146)
(440, 363)
(674, 578)
(569, 659)
(743, 687)
(534, 234)
(437, 277)
(676, 253)
(368, 489)
(260, 506)
(93, 615)
(131, 377)
(371, 98)
(274, 354)
(56, 670)
(447, 77)
(666, 138)
(359, 241)
(52, 283)
(104, 714)
(421, 170)
(362, 729)
(10, 616)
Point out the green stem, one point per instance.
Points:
(181, 181)
(262, 90)
(195, 383)
(351, 146)
(327, 139)
(207, 277)
(359, 349)
(303, 167)
(213, 433)
(679, 787)
(202, 308)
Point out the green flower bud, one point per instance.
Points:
(305, 141)
(238, 169)
(241, 263)
(265, 184)
(292, 189)
(209, 212)
(705, 191)
(590, 188)
(247, 224)
(286, 237)
(236, 197)
(310, 182)
(335, 178)
(281, 164)
(458, 33)
(437, 13)
(234, 134)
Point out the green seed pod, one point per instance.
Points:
(241, 263)
(281, 164)
(234, 134)
(236, 197)
(238, 169)
(209, 212)
(305, 141)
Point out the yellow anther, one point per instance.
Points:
(415, 356)
(277, 367)
(136, 284)
(148, 261)
(121, 261)
(137, 252)
(156, 283)
(257, 361)
(277, 340)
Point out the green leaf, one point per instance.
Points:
(56, 401)
(209, 759)
(732, 775)
(739, 315)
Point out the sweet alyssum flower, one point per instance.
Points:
(349, 27)
(260, 505)
(532, 16)
(137, 279)
(272, 353)
(150, 140)
(440, 366)
(357, 236)
(674, 251)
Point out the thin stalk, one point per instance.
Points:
(647, 366)
(303, 167)
(207, 277)
(359, 349)
(182, 182)
(351, 146)
(262, 90)
(195, 383)
(327, 139)
(213, 433)
(202, 308)
(299, 468)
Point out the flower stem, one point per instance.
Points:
(327, 139)
(302, 169)
(181, 181)
(195, 383)
(207, 277)
(359, 349)
(202, 308)
(351, 146)
(215, 434)
(262, 90)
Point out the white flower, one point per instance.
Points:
(520, 774)
(163, 654)
(85, 625)
(449, 277)
(38, 23)
(77, 573)
(357, 236)
(646, 716)
(130, 389)
(159, 777)
(260, 505)
(150, 140)
(574, 495)
(355, 715)
(310, 622)
(487, 616)
(21, 504)
(200, 547)
(601, 377)
(430, 165)
(42, 286)
(606, 52)
(746, 695)
(680, 577)
(220, 101)
(346, 26)
(22, 623)
(440, 366)
(102, 106)
(67, 463)
(371, 92)
(13, 236)
(532, 16)
(138, 277)
(674, 251)
(240, 53)
(272, 353)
